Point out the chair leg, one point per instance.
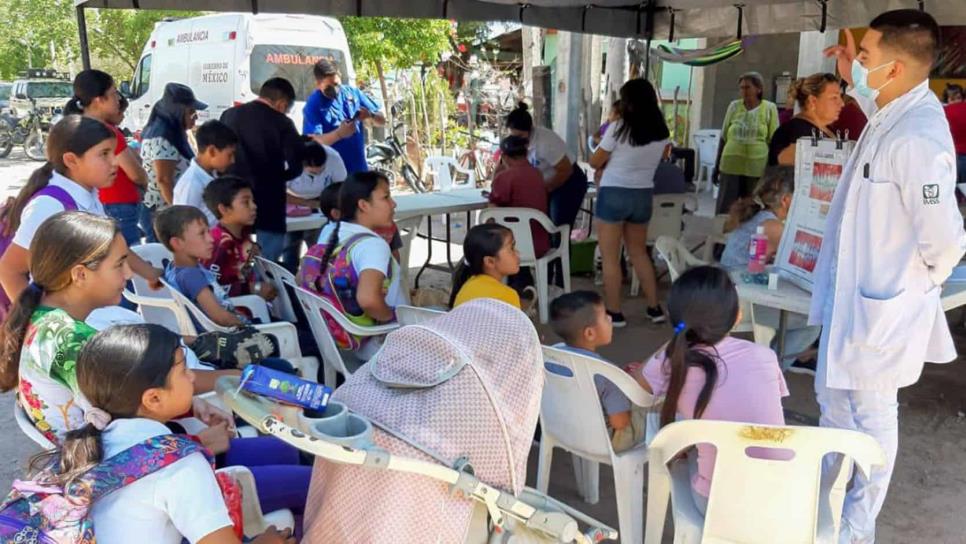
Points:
(329, 376)
(543, 291)
(565, 266)
(629, 489)
(543, 465)
(590, 480)
(658, 493)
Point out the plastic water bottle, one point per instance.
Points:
(758, 252)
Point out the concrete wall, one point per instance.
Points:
(770, 55)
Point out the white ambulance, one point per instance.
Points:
(225, 58)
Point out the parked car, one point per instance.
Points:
(5, 95)
(45, 89)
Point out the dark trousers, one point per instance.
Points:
(732, 187)
(565, 204)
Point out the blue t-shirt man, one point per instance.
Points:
(325, 112)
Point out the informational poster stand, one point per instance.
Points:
(818, 167)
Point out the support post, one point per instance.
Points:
(85, 49)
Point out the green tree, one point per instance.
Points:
(378, 44)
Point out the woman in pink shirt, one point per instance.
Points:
(705, 374)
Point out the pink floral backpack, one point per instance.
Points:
(38, 512)
(338, 286)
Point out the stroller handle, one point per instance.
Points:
(558, 525)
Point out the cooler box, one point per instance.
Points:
(582, 257)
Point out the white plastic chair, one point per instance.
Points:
(666, 220)
(706, 143)
(28, 428)
(716, 236)
(754, 500)
(571, 418)
(413, 315)
(159, 305)
(255, 521)
(285, 333)
(519, 220)
(442, 169)
(282, 307)
(332, 357)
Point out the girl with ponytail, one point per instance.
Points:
(703, 373)
(81, 160)
(136, 380)
(489, 256)
(96, 96)
(767, 207)
(352, 265)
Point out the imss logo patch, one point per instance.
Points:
(930, 194)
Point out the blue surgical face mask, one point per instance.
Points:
(860, 79)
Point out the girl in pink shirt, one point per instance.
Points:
(705, 374)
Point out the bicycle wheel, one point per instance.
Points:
(413, 180)
(35, 144)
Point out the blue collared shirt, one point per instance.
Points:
(322, 115)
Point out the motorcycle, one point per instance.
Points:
(383, 156)
(29, 131)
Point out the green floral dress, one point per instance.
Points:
(48, 389)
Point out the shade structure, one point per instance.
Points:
(657, 18)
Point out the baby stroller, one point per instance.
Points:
(445, 412)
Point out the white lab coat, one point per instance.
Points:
(891, 240)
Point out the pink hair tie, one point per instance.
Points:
(97, 417)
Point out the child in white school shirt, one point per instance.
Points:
(216, 153)
(136, 380)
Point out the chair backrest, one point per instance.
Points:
(754, 499)
(159, 257)
(198, 317)
(28, 427)
(570, 409)
(706, 141)
(275, 273)
(519, 221)
(677, 256)
(668, 216)
(441, 168)
(716, 236)
(312, 306)
(412, 315)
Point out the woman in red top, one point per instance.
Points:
(956, 115)
(96, 96)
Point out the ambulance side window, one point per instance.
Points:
(142, 78)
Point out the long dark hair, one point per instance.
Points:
(642, 120)
(776, 182)
(520, 118)
(88, 85)
(358, 186)
(481, 241)
(62, 242)
(167, 121)
(703, 307)
(72, 134)
(114, 369)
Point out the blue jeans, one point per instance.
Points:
(127, 217)
(961, 168)
(147, 224)
(272, 243)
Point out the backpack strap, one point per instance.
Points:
(133, 464)
(59, 194)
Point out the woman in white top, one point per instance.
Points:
(629, 154)
(566, 182)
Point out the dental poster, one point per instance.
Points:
(818, 167)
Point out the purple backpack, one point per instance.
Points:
(6, 237)
(40, 512)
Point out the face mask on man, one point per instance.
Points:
(860, 79)
(331, 91)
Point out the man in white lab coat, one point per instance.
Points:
(893, 235)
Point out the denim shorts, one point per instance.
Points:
(624, 205)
